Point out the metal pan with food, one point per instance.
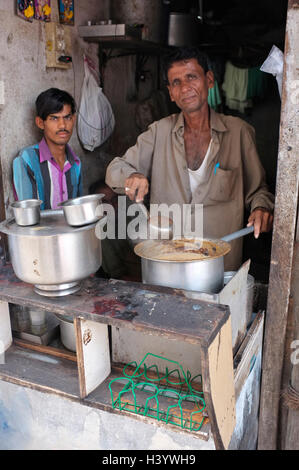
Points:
(190, 264)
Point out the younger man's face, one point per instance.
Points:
(58, 127)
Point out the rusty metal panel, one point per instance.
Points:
(283, 237)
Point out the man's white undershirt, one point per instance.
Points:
(196, 177)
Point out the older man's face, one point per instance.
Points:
(189, 85)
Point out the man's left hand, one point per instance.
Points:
(262, 219)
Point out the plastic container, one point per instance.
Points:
(19, 317)
(38, 321)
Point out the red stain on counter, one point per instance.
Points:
(108, 305)
(113, 308)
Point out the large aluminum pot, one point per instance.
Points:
(52, 255)
(200, 276)
(183, 272)
(196, 265)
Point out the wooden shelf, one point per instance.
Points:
(154, 310)
(133, 45)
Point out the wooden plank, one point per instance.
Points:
(186, 354)
(234, 294)
(248, 352)
(291, 430)
(80, 358)
(57, 352)
(93, 354)
(162, 312)
(5, 327)
(40, 371)
(4, 253)
(286, 203)
(218, 386)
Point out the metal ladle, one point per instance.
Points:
(238, 234)
(159, 227)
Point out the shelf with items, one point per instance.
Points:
(153, 310)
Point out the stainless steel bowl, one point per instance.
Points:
(52, 255)
(27, 211)
(82, 210)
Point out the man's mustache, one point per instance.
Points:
(62, 131)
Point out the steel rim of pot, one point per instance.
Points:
(224, 241)
(78, 201)
(26, 204)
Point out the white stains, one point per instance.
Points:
(152, 309)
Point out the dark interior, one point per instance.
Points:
(236, 31)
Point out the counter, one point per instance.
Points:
(153, 310)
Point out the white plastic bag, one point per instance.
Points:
(274, 65)
(95, 116)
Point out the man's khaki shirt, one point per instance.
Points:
(237, 182)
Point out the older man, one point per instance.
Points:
(198, 156)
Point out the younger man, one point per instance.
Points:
(49, 170)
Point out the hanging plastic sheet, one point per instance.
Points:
(274, 65)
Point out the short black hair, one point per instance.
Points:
(52, 101)
(184, 53)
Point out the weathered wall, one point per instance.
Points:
(23, 70)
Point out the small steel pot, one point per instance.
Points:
(82, 210)
(27, 211)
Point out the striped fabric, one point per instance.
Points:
(37, 175)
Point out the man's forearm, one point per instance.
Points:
(117, 172)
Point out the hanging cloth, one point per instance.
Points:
(214, 97)
(235, 86)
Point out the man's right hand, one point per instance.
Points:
(136, 187)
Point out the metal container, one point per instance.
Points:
(183, 29)
(27, 211)
(82, 210)
(52, 255)
(202, 275)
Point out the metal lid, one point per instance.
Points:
(52, 223)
